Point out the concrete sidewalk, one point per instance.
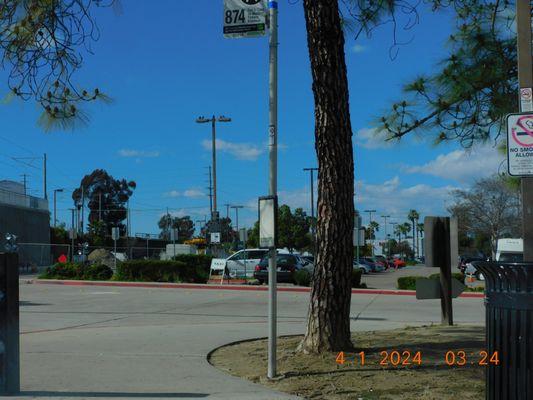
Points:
(122, 342)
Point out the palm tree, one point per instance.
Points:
(405, 228)
(398, 231)
(413, 216)
(373, 227)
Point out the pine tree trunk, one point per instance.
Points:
(328, 326)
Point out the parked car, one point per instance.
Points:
(379, 266)
(243, 262)
(309, 259)
(287, 265)
(465, 263)
(471, 270)
(365, 267)
(398, 263)
(387, 262)
(510, 250)
(373, 265)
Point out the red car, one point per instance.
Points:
(398, 263)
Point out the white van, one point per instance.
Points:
(240, 264)
(510, 250)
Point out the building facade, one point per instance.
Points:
(28, 218)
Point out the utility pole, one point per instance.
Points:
(236, 208)
(227, 205)
(313, 225)
(525, 80)
(386, 217)
(72, 234)
(45, 190)
(273, 181)
(55, 205)
(24, 182)
(213, 120)
(82, 208)
(370, 212)
(128, 229)
(210, 187)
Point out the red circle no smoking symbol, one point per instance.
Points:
(523, 131)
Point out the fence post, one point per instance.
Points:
(9, 324)
(509, 329)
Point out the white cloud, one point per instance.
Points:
(138, 153)
(461, 165)
(193, 193)
(372, 139)
(173, 193)
(392, 198)
(357, 48)
(241, 151)
(192, 212)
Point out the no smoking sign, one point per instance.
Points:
(520, 144)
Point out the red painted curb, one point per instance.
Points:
(227, 287)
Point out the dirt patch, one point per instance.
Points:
(382, 376)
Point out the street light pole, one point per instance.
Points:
(386, 217)
(313, 226)
(55, 205)
(273, 181)
(370, 212)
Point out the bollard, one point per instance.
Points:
(9, 324)
(509, 329)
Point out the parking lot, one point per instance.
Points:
(114, 342)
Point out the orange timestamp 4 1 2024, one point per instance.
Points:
(406, 358)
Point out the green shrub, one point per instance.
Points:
(475, 289)
(356, 277)
(162, 271)
(63, 271)
(408, 282)
(410, 262)
(77, 271)
(302, 278)
(197, 260)
(97, 272)
(457, 275)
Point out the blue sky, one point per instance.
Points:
(166, 65)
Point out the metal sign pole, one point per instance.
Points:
(273, 161)
(525, 81)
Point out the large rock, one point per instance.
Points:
(101, 256)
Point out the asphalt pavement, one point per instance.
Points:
(119, 342)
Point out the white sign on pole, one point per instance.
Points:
(215, 237)
(243, 235)
(358, 237)
(526, 99)
(115, 233)
(520, 144)
(267, 222)
(244, 18)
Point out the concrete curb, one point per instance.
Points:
(157, 285)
